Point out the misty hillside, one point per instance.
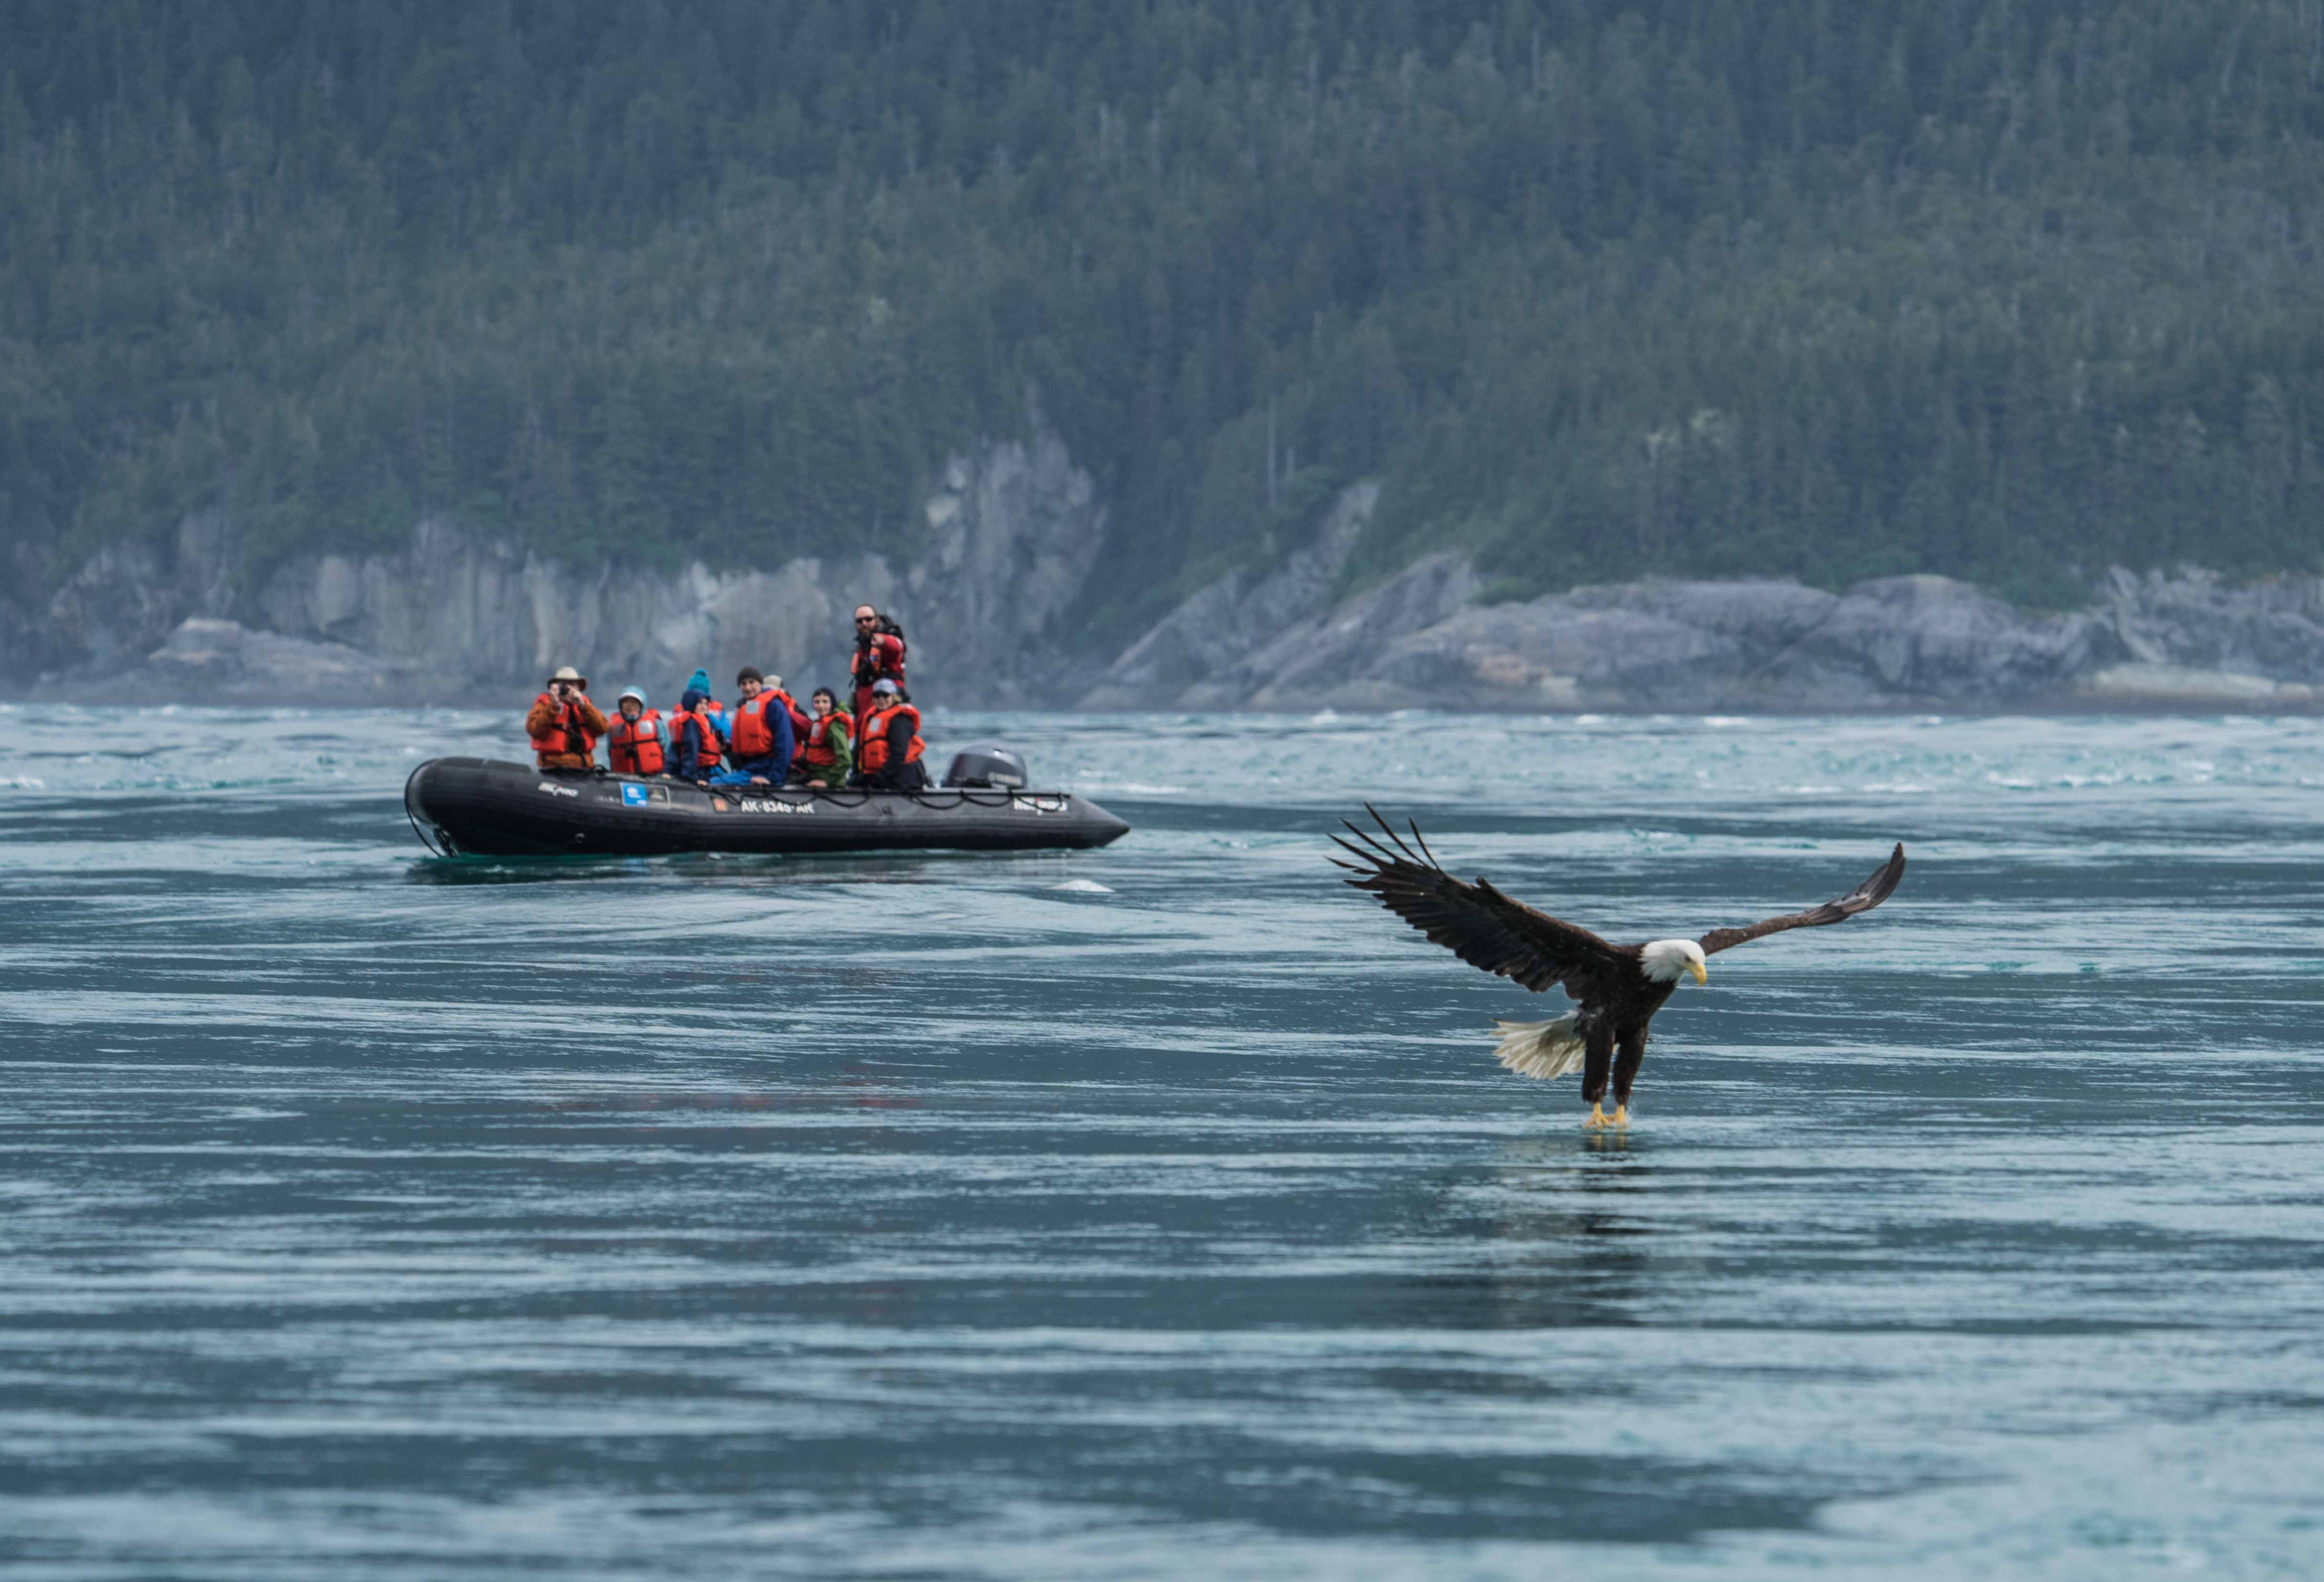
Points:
(2002, 290)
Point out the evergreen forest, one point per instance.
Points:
(2008, 289)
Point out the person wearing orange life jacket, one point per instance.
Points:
(694, 744)
(878, 656)
(889, 748)
(758, 735)
(637, 744)
(564, 724)
(712, 709)
(824, 758)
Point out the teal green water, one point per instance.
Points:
(1159, 1211)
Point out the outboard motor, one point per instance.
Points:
(988, 764)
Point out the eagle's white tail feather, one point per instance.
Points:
(1541, 1048)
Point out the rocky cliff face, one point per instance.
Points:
(1014, 530)
(1420, 640)
(1250, 641)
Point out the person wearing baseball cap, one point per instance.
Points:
(564, 724)
(889, 748)
(638, 743)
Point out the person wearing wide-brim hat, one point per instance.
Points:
(564, 724)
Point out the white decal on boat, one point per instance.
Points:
(559, 790)
(761, 804)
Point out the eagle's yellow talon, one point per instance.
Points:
(1597, 1119)
(1621, 1121)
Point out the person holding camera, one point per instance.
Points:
(564, 724)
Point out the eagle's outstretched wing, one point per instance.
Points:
(1479, 923)
(1862, 898)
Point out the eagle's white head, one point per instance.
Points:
(1667, 960)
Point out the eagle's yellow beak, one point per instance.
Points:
(1700, 975)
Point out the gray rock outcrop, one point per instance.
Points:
(1265, 642)
(1013, 531)
(1756, 644)
(2195, 621)
(1195, 648)
(224, 661)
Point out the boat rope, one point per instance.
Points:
(929, 797)
(426, 839)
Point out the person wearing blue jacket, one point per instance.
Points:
(699, 682)
(759, 736)
(694, 743)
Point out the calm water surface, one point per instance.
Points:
(1160, 1211)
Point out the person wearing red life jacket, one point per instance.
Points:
(694, 745)
(878, 656)
(712, 709)
(889, 748)
(637, 744)
(825, 758)
(758, 735)
(564, 724)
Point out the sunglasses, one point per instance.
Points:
(865, 619)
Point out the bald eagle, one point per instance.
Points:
(1617, 989)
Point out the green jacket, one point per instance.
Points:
(836, 775)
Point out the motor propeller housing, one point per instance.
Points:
(988, 764)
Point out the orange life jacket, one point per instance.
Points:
(633, 747)
(815, 749)
(752, 736)
(872, 751)
(706, 745)
(567, 735)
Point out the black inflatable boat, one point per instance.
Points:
(473, 806)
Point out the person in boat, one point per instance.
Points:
(801, 718)
(825, 758)
(878, 656)
(889, 748)
(638, 743)
(759, 734)
(564, 724)
(694, 746)
(712, 710)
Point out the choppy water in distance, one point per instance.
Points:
(1159, 1211)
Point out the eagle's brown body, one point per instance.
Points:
(1617, 989)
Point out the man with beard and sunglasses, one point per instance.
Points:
(878, 656)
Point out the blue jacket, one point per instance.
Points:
(777, 765)
(700, 683)
(686, 762)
